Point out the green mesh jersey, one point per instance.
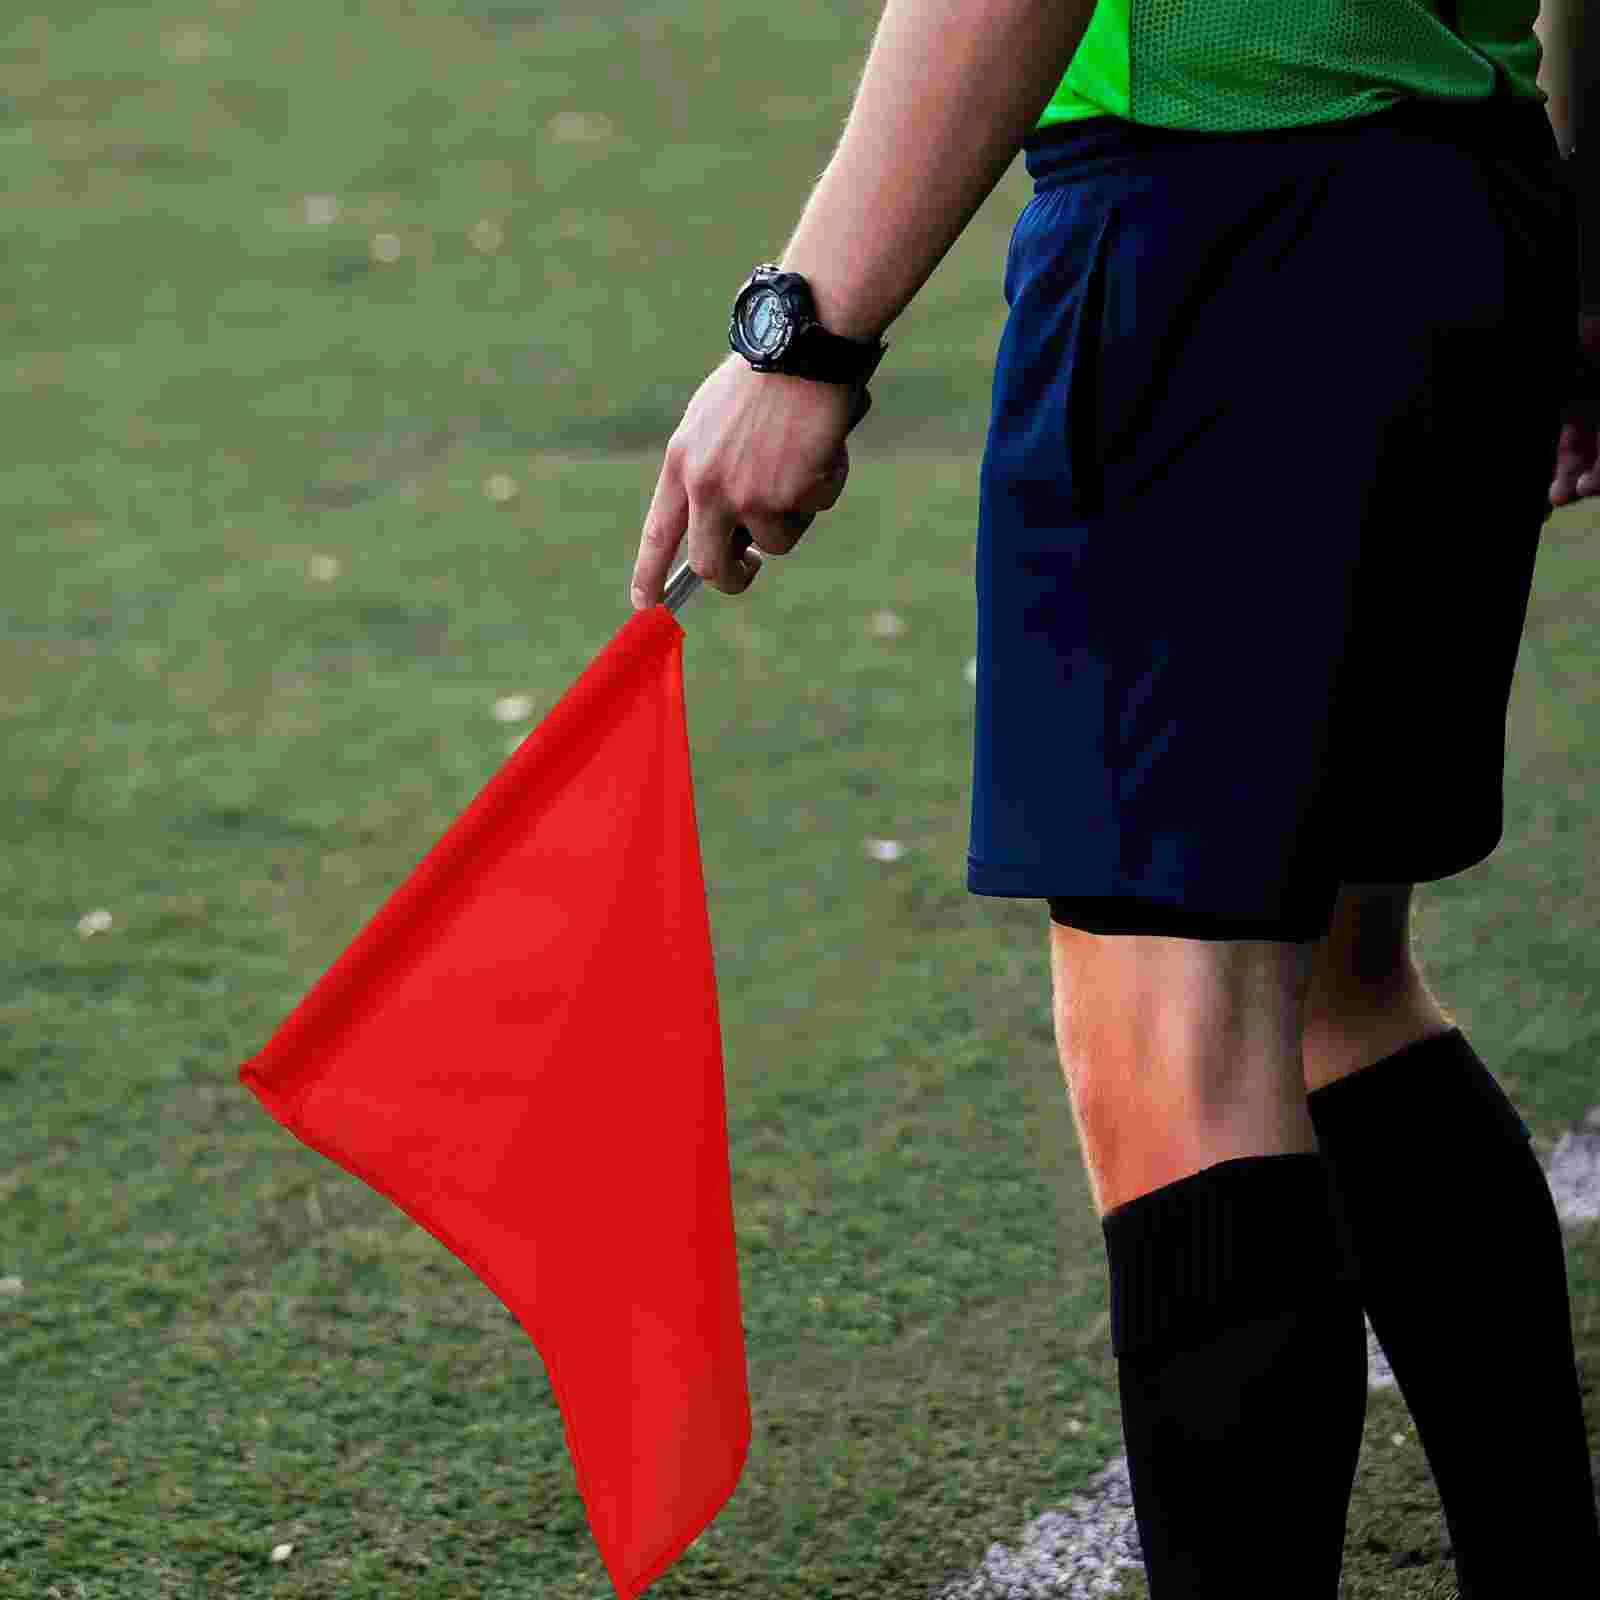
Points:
(1227, 66)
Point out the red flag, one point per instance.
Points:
(522, 1051)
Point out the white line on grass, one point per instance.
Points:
(1079, 1553)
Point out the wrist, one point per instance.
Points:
(777, 327)
(832, 304)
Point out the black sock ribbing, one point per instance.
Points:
(1463, 1275)
(1242, 1365)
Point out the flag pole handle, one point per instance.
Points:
(685, 580)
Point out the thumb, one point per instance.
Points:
(829, 484)
(1575, 447)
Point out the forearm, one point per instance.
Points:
(1557, 26)
(1569, 73)
(950, 90)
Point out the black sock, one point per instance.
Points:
(1242, 1364)
(1463, 1274)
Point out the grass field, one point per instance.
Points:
(341, 346)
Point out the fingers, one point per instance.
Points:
(728, 555)
(1577, 472)
(664, 526)
(724, 553)
(723, 535)
(747, 556)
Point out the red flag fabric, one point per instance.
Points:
(522, 1050)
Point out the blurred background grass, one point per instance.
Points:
(341, 347)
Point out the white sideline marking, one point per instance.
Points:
(1079, 1553)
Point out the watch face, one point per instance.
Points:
(764, 321)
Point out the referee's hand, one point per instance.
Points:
(757, 455)
(1577, 470)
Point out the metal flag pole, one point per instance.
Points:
(685, 580)
(680, 586)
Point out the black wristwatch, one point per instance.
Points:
(774, 327)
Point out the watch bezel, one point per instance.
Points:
(794, 309)
(783, 317)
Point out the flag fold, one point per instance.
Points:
(522, 1051)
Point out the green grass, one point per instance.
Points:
(223, 1343)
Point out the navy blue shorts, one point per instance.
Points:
(1274, 424)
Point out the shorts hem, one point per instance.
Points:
(1445, 866)
(1131, 914)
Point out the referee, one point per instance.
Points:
(1295, 331)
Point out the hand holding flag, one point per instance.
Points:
(757, 452)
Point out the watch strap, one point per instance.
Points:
(816, 353)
